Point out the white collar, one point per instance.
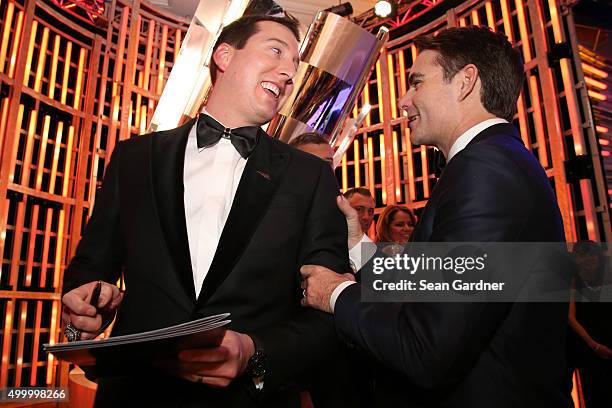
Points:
(463, 140)
(204, 111)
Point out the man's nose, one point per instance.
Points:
(405, 101)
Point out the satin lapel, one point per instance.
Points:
(259, 181)
(168, 160)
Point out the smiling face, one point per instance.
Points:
(430, 103)
(253, 82)
(401, 227)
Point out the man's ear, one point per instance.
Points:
(468, 77)
(222, 56)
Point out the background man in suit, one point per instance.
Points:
(215, 216)
(463, 90)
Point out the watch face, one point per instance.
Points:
(257, 364)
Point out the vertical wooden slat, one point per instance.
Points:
(537, 120)
(67, 62)
(42, 58)
(27, 159)
(410, 167)
(54, 62)
(23, 315)
(6, 32)
(16, 44)
(30, 55)
(6, 342)
(36, 343)
(356, 163)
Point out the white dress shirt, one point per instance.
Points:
(460, 144)
(211, 176)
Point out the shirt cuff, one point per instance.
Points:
(361, 253)
(336, 293)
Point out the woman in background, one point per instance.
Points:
(395, 224)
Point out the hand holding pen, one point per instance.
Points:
(89, 308)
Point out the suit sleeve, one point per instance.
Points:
(308, 339)
(98, 255)
(484, 199)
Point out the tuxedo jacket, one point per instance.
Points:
(471, 354)
(284, 215)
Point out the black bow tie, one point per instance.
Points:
(209, 132)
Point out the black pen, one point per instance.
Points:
(95, 296)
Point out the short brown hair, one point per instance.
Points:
(500, 66)
(383, 225)
(238, 33)
(308, 138)
(357, 190)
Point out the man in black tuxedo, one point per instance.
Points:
(211, 217)
(463, 90)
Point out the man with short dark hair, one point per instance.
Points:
(463, 90)
(362, 201)
(316, 144)
(211, 217)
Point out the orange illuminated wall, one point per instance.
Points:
(69, 90)
(554, 114)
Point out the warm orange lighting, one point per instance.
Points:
(598, 96)
(506, 18)
(595, 83)
(379, 91)
(344, 174)
(490, 17)
(396, 169)
(43, 151)
(15, 145)
(54, 61)
(370, 181)
(383, 166)
(79, 81)
(68, 163)
(356, 164)
(162, 61)
(28, 66)
(42, 58)
(67, 57)
(6, 32)
(392, 97)
(604, 142)
(366, 100)
(56, 154)
(6, 342)
(410, 165)
(520, 12)
(538, 121)
(16, 44)
(601, 129)
(594, 71)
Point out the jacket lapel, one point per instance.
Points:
(168, 158)
(424, 227)
(261, 177)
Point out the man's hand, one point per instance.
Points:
(318, 283)
(215, 366)
(85, 317)
(352, 220)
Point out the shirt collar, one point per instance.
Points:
(463, 140)
(204, 111)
